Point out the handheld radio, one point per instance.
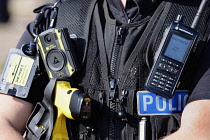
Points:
(172, 55)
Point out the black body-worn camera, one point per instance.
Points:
(57, 53)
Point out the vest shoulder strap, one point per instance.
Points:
(75, 15)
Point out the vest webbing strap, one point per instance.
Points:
(41, 121)
(144, 38)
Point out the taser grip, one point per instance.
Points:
(60, 130)
(62, 101)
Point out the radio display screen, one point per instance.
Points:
(177, 47)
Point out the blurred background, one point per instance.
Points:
(21, 13)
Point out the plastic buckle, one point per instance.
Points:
(34, 124)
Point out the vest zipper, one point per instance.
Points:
(114, 82)
(114, 61)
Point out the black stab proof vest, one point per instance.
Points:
(115, 61)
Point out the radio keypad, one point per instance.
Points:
(162, 80)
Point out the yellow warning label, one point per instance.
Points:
(13, 68)
(20, 69)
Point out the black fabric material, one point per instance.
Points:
(91, 77)
(134, 10)
(75, 22)
(202, 77)
(202, 89)
(164, 125)
(157, 29)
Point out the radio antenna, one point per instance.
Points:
(202, 8)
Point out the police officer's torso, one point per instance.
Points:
(115, 67)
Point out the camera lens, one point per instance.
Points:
(48, 38)
(56, 60)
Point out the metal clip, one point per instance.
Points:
(40, 16)
(54, 15)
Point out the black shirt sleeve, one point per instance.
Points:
(201, 82)
(202, 89)
(26, 36)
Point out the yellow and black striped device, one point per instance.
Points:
(70, 103)
(57, 52)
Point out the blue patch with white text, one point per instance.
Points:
(152, 104)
